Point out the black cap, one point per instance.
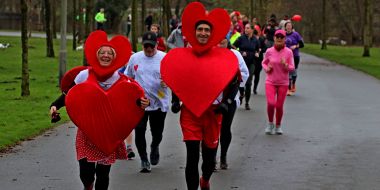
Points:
(149, 38)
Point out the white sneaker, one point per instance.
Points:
(269, 130)
(278, 130)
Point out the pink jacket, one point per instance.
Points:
(279, 74)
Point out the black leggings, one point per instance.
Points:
(225, 134)
(192, 160)
(248, 84)
(87, 171)
(156, 122)
(257, 72)
(293, 76)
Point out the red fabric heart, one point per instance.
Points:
(218, 18)
(135, 67)
(198, 80)
(119, 43)
(67, 80)
(106, 117)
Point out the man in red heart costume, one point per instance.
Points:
(198, 76)
(104, 104)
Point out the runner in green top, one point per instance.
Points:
(100, 19)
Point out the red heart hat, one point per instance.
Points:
(119, 43)
(218, 18)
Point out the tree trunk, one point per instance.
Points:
(324, 45)
(252, 9)
(54, 19)
(134, 25)
(49, 37)
(75, 23)
(88, 24)
(167, 14)
(24, 41)
(367, 37)
(143, 28)
(177, 5)
(63, 49)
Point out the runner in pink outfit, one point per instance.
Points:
(277, 63)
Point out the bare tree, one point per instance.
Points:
(165, 17)
(367, 35)
(88, 24)
(49, 37)
(75, 23)
(323, 25)
(177, 5)
(143, 16)
(54, 19)
(24, 41)
(134, 25)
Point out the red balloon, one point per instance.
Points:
(297, 18)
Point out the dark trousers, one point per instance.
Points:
(156, 121)
(256, 73)
(192, 160)
(248, 84)
(99, 26)
(225, 133)
(88, 170)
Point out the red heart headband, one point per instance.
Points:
(218, 18)
(119, 43)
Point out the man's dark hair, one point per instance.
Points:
(202, 22)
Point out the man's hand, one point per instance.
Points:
(222, 108)
(143, 102)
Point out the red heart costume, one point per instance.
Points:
(104, 117)
(197, 75)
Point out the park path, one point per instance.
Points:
(331, 141)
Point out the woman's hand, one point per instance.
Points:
(283, 62)
(269, 68)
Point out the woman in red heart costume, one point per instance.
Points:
(98, 104)
(198, 75)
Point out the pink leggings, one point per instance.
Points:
(275, 104)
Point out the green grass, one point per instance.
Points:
(349, 56)
(24, 117)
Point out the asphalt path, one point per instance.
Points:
(331, 141)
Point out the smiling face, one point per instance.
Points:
(105, 56)
(248, 29)
(279, 40)
(202, 33)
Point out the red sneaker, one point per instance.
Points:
(205, 185)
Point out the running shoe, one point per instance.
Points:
(145, 167)
(154, 156)
(289, 93)
(205, 185)
(130, 153)
(269, 130)
(278, 130)
(293, 88)
(247, 107)
(223, 163)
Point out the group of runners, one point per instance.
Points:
(205, 119)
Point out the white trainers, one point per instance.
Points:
(269, 130)
(278, 130)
